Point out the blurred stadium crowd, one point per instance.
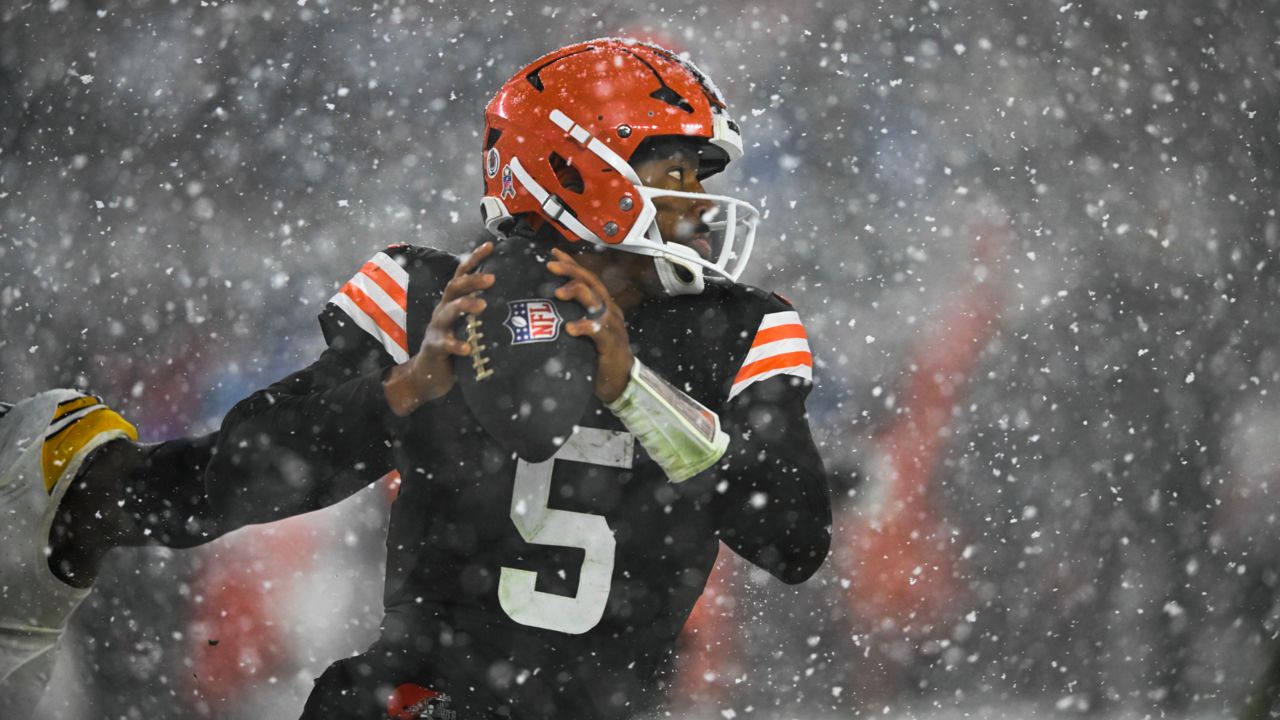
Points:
(1034, 245)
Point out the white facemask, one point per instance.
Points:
(731, 231)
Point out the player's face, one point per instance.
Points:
(680, 220)
(631, 277)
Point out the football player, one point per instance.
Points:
(554, 588)
(557, 589)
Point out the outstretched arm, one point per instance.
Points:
(327, 431)
(306, 442)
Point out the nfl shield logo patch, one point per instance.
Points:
(532, 321)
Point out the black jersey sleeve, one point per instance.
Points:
(772, 499)
(304, 443)
(322, 433)
(771, 493)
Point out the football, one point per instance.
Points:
(526, 380)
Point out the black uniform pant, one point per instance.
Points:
(383, 682)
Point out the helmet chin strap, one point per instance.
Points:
(677, 273)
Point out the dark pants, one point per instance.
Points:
(382, 683)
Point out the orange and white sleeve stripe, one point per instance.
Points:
(780, 347)
(377, 301)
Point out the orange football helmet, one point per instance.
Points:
(581, 113)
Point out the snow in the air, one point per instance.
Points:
(1034, 245)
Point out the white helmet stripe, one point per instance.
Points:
(551, 204)
(593, 144)
(604, 152)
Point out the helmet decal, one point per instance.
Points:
(508, 183)
(492, 160)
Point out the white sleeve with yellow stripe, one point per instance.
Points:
(78, 427)
(43, 442)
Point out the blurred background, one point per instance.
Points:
(1035, 246)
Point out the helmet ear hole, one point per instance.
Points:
(568, 175)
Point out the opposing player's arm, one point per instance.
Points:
(771, 493)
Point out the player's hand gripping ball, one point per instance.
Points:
(526, 380)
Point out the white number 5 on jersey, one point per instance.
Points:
(541, 525)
